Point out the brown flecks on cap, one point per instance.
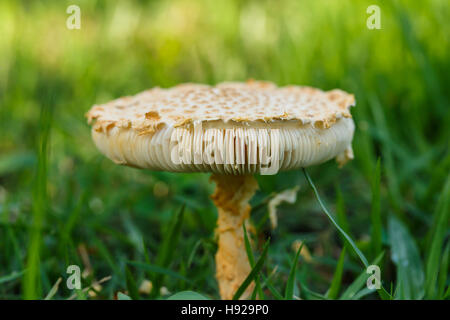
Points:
(250, 101)
(321, 124)
(152, 115)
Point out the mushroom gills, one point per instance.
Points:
(229, 149)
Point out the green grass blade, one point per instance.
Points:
(251, 259)
(389, 164)
(382, 292)
(342, 214)
(54, 290)
(168, 248)
(16, 161)
(122, 296)
(362, 293)
(440, 227)
(31, 281)
(146, 258)
(267, 283)
(443, 272)
(309, 293)
(333, 292)
(255, 271)
(193, 252)
(171, 240)
(133, 291)
(10, 277)
(358, 283)
(104, 253)
(342, 232)
(375, 213)
(447, 293)
(187, 295)
(384, 295)
(355, 286)
(289, 292)
(406, 257)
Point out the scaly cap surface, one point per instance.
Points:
(252, 125)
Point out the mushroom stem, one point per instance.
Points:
(231, 198)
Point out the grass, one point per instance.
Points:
(62, 203)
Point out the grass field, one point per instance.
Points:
(62, 203)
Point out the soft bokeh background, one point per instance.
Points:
(62, 203)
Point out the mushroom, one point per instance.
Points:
(233, 130)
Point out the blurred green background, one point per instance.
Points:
(62, 203)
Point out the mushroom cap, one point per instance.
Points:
(230, 128)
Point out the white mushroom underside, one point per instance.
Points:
(229, 148)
